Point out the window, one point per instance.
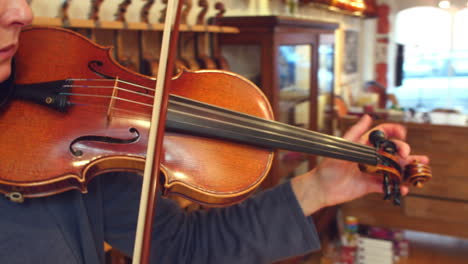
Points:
(435, 69)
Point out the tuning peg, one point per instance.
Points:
(377, 137)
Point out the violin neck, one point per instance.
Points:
(186, 115)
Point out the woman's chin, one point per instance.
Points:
(5, 70)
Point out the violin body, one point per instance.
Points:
(49, 148)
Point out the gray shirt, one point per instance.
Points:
(71, 227)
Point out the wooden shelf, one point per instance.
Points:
(86, 23)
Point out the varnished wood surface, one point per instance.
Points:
(26, 171)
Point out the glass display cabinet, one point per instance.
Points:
(291, 60)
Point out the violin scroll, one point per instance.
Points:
(122, 10)
(204, 9)
(388, 165)
(163, 11)
(64, 11)
(221, 9)
(145, 10)
(94, 12)
(186, 10)
(417, 174)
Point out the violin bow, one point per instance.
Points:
(141, 252)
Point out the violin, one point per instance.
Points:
(186, 53)
(81, 114)
(221, 61)
(201, 43)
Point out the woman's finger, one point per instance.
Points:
(358, 129)
(416, 158)
(391, 131)
(404, 190)
(403, 148)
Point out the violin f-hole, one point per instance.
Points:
(104, 139)
(94, 64)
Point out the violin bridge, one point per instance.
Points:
(112, 99)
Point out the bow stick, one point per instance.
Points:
(141, 252)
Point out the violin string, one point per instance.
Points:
(106, 87)
(252, 120)
(267, 134)
(150, 96)
(149, 89)
(107, 97)
(136, 114)
(113, 81)
(139, 114)
(285, 141)
(297, 129)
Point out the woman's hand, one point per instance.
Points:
(336, 181)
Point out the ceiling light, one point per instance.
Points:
(444, 4)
